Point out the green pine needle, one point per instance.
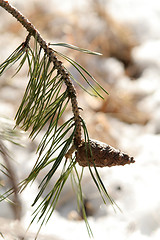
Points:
(81, 71)
(44, 103)
(13, 58)
(75, 48)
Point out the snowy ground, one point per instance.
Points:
(134, 187)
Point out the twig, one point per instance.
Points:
(17, 205)
(58, 64)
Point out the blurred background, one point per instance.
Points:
(127, 34)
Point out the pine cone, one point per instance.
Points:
(101, 155)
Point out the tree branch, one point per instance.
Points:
(57, 64)
(12, 178)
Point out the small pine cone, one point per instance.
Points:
(103, 155)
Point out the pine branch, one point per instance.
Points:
(7, 134)
(57, 64)
(45, 100)
(12, 178)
